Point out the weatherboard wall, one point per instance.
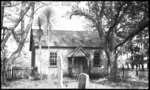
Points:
(42, 61)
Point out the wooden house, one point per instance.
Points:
(80, 51)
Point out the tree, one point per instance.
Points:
(47, 15)
(39, 23)
(116, 23)
(139, 48)
(12, 58)
(22, 9)
(25, 9)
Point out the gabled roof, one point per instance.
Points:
(77, 50)
(69, 38)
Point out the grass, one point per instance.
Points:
(129, 82)
(99, 83)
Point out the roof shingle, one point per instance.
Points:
(69, 38)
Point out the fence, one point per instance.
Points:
(18, 73)
(133, 73)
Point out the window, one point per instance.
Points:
(53, 58)
(97, 59)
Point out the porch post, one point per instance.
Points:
(72, 62)
(33, 59)
(72, 66)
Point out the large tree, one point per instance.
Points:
(8, 61)
(116, 23)
(21, 9)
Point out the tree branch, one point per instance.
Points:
(41, 6)
(116, 19)
(15, 25)
(141, 27)
(99, 20)
(80, 13)
(13, 57)
(129, 24)
(102, 9)
(12, 5)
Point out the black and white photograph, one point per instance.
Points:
(74, 44)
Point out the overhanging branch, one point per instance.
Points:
(116, 19)
(140, 28)
(80, 13)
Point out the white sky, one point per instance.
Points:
(64, 23)
(61, 23)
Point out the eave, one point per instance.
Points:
(66, 47)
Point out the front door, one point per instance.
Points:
(80, 65)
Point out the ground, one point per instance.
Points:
(97, 83)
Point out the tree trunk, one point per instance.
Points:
(127, 66)
(113, 56)
(132, 65)
(137, 70)
(139, 66)
(2, 12)
(3, 72)
(142, 66)
(6, 62)
(113, 68)
(17, 52)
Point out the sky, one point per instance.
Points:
(62, 22)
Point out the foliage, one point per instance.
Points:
(116, 22)
(39, 23)
(48, 14)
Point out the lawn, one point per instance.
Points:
(102, 83)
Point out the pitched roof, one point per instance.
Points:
(69, 38)
(76, 51)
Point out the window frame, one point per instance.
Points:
(53, 59)
(99, 60)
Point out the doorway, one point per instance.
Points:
(80, 65)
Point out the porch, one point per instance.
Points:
(78, 62)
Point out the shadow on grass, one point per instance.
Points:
(124, 84)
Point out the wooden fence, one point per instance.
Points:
(18, 73)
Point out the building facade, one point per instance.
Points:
(80, 51)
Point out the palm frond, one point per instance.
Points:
(48, 13)
(40, 22)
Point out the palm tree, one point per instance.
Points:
(40, 22)
(48, 14)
